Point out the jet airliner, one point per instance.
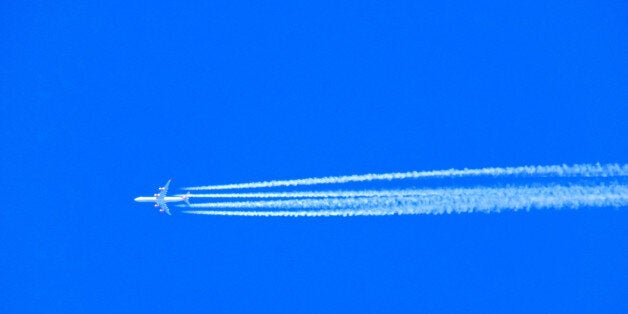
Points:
(160, 199)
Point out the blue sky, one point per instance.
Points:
(103, 102)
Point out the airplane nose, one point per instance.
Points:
(137, 199)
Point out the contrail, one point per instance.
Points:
(348, 199)
(303, 203)
(483, 199)
(318, 194)
(581, 170)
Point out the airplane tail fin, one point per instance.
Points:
(187, 198)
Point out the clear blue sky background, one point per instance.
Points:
(104, 101)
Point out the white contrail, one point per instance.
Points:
(317, 194)
(486, 199)
(582, 170)
(304, 203)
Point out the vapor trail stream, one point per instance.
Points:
(581, 170)
(317, 194)
(437, 201)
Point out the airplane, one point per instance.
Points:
(160, 199)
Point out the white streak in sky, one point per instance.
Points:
(582, 170)
(318, 194)
(484, 199)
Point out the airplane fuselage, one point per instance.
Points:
(152, 199)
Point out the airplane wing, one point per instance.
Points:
(165, 208)
(163, 191)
